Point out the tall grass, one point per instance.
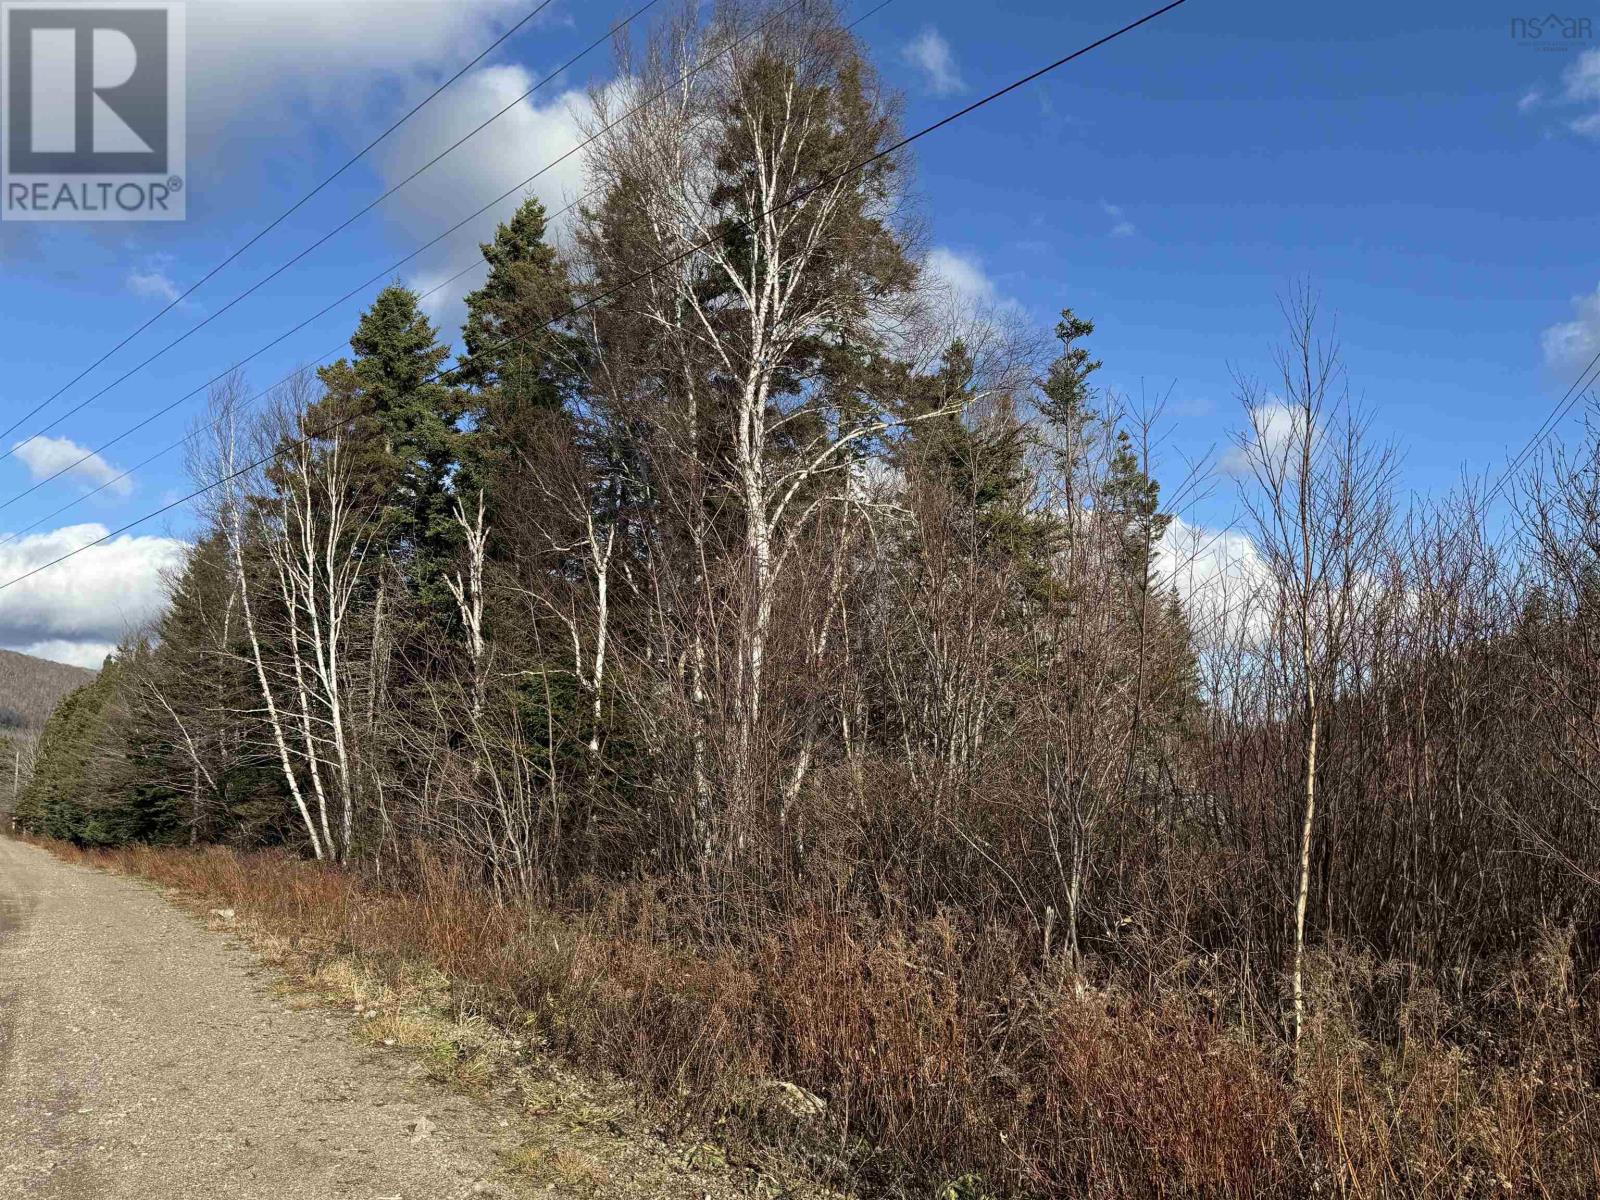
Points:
(950, 1059)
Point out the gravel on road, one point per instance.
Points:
(145, 1058)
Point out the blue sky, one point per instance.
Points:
(1433, 178)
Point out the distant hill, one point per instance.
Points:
(30, 688)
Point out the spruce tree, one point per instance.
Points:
(86, 787)
(1067, 400)
(1132, 500)
(978, 458)
(521, 363)
(402, 422)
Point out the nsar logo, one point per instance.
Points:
(1552, 31)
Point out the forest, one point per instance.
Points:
(755, 663)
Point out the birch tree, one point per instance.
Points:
(1318, 498)
(317, 526)
(788, 262)
(219, 457)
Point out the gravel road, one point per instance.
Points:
(143, 1058)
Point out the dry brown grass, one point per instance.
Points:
(949, 1063)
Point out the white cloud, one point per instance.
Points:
(1193, 559)
(969, 284)
(1580, 88)
(1581, 81)
(75, 654)
(268, 80)
(931, 55)
(73, 611)
(1571, 345)
(962, 274)
(153, 284)
(1219, 577)
(1581, 85)
(1120, 225)
(1588, 126)
(344, 56)
(495, 161)
(443, 298)
(1271, 431)
(44, 456)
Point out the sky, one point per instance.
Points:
(1432, 177)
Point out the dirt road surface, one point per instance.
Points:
(143, 1057)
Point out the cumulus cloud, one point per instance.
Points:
(1581, 86)
(45, 456)
(1571, 345)
(379, 54)
(932, 56)
(1219, 577)
(75, 610)
(442, 297)
(1272, 428)
(91, 655)
(1194, 560)
(494, 162)
(1227, 589)
(154, 285)
(1581, 81)
(963, 274)
(266, 81)
(1578, 94)
(969, 285)
(1120, 225)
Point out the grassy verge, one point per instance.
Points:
(341, 943)
(932, 1058)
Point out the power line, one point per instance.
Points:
(1563, 406)
(325, 238)
(281, 217)
(1548, 426)
(628, 115)
(478, 261)
(286, 334)
(812, 189)
(389, 270)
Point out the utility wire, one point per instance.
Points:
(812, 189)
(395, 266)
(1558, 414)
(1563, 407)
(345, 224)
(281, 217)
(477, 261)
